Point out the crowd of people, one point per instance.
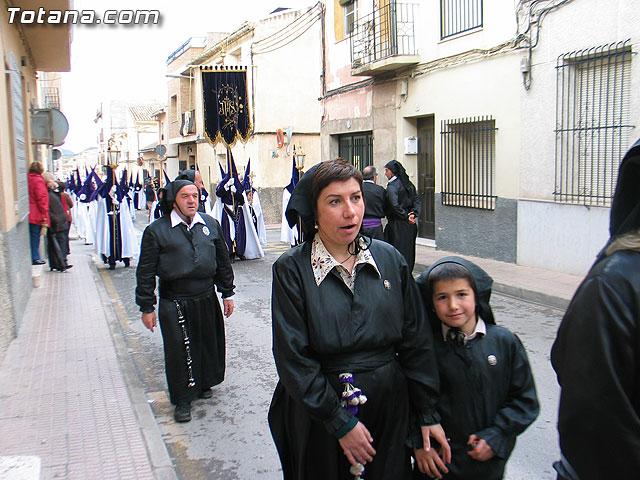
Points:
(380, 375)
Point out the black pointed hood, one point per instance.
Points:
(483, 285)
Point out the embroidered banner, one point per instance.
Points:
(226, 105)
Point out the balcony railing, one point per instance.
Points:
(385, 33)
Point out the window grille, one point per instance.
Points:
(357, 149)
(468, 162)
(457, 16)
(51, 97)
(592, 122)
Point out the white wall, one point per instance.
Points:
(486, 87)
(550, 234)
(565, 238)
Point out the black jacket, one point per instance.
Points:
(486, 385)
(177, 254)
(596, 354)
(57, 215)
(375, 198)
(322, 330)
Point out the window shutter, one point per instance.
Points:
(344, 3)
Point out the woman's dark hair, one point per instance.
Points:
(36, 167)
(450, 271)
(338, 170)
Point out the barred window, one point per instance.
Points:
(592, 122)
(356, 148)
(457, 16)
(468, 162)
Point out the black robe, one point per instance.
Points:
(399, 232)
(189, 264)
(596, 354)
(375, 198)
(495, 402)
(379, 333)
(56, 233)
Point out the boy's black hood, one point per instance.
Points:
(625, 209)
(483, 287)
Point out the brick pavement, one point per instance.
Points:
(66, 408)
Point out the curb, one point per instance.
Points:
(517, 292)
(161, 463)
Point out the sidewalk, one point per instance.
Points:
(537, 285)
(71, 406)
(68, 407)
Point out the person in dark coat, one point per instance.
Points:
(150, 194)
(596, 354)
(487, 391)
(404, 209)
(186, 250)
(58, 227)
(375, 199)
(348, 325)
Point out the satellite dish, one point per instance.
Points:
(49, 126)
(56, 154)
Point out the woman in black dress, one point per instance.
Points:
(344, 304)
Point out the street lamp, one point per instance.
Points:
(298, 158)
(113, 156)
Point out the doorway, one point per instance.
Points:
(426, 177)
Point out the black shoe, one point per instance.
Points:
(67, 267)
(206, 393)
(38, 262)
(182, 413)
(127, 262)
(112, 266)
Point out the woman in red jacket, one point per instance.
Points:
(38, 209)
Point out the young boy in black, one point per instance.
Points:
(487, 392)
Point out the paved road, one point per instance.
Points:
(229, 438)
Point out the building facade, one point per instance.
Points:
(26, 50)
(511, 132)
(282, 56)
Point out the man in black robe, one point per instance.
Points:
(404, 210)
(186, 250)
(375, 199)
(596, 354)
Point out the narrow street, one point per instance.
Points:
(229, 438)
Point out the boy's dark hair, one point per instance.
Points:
(450, 271)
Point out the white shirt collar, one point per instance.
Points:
(177, 220)
(481, 329)
(392, 179)
(370, 181)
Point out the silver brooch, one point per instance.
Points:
(206, 231)
(387, 285)
(493, 361)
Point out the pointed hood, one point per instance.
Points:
(124, 185)
(78, 182)
(246, 181)
(295, 177)
(482, 289)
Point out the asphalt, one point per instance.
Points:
(71, 405)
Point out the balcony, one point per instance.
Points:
(384, 40)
